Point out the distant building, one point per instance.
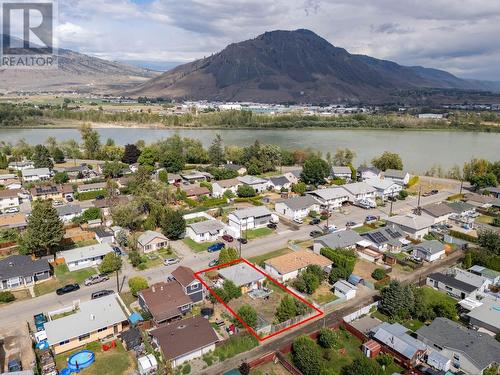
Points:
(344, 173)
(151, 241)
(258, 184)
(297, 207)
(221, 186)
(399, 177)
(36, 174)
(416, 226)
(289, 266)
(207, 230)
(250, 218)
(365, 173)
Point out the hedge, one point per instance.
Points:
(463, 236)
(412, 181)
(90, 195)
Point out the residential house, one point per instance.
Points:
(174, 178)
(346, 239)
(416, 226)
(9, 199)
(165, 301)
(492, 275)
(344, 173)
(55, 192)
(13, 183)
(18, 271)
(258, 184)
(86, 256)
(486, 316)
(221, 186)
(461, 208)
(104, 235)
(106, 203)
(68, 212)
(344, 289)
(399, 177)
(185, 340)
(193, 287)
(243, 276)
(388, 238)
(297, 207)
(194, 176)
(293, 176)
(440, 212)
(78, 171)
(280, 182)
(92, 321)
(13, 221)
(36, 174)
(365, 173)
(480, 282)
(394, 336)
(87, 188)
(484, 201)
(450, 285)
(151, 241)
(360, 191)
(469, 350)
(195, 191)
(208, 230)
(385, 188)
(429, 251)
(494, 191)
(332, 197)
(6, 177)
(250, 218)
(288, 266)
(240, 169)
(21, 165)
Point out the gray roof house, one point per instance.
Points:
(400, 177)
(341, 172)
(86, 256)
(339, 239)
(17, 271)
(428, 250)
(208, 230)
(279, 182)
(487, 315)
(36, 174)
(333, 196)
(250, 218)
(151, 240)
(296, 207)
(468, 349)
(439, 211)
(243, 276)
(449, 284)
(492, 275)
(386, 238)
(68, 211)
(417, 226)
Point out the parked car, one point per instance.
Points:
(316, 233)
(67, 289)
(118, 251)
(315, 221)
(228, 238)
(69, 198)
(216, 247)
(99, 197)
(11, 210)
(435, 191)
(96, 279)
(298, 221)
(213, 263)
(170, 261)
(272, 225)
(350, 224)
(370, 219)
(14, 365)
(330, 228)
(57, 203)
(243, 240)
(101, 293)
(392, 199)
(40, 319)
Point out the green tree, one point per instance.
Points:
(388, 160)
(91, 141)
(58, 155)
(248, 314)
(126, 215)
(343, 157)
(172, 162)
(396, 300)
(136, 284)
(45, 230)
(227, 255)
(173, 224)
(4, 163)
(163, 176)
(231, 290)
(467, 263)
(41, 157)
(385, 360)
(315, 171)
(148, 158)
(306, 355)
(307, 282)
(362, 366)
(286, 309)
(216, 151)
(113, 169)
(299, 188)
(131, 154)
(111, 263)
(378, 273)
(61, 178)
(246, 191)
(327, 338)
(490, 240)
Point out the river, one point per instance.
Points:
(420, 150)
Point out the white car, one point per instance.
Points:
(298, 221)
(57, 203)
(11, 210)
(170, 261)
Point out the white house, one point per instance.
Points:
(220, 187)
(151, 241)
(365, 173)
(9, 198)
(250, 218)
(287, 267)
(69, 211)
(293, 176)
(440, 212)
(344, 173)
(258, 184)
(279, 182)
(332, 197)
(359, 191)
(97, 186)
(399, 177)
(428, 250)
(36, 174)
(297, 207)
(416, 226)
(208, 230)
(83, 257)
(385, 188)
(21, 165)
(344, 289)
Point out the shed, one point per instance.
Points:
(131, 338)
(371, 348)
(438, 361)
(355, 280)
(147, 364)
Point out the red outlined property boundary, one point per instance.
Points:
(250, 329)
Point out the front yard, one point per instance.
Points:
(256, 233)
(260, 259)
(63, 277)
(195, 246)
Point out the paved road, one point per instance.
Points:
(19, 312)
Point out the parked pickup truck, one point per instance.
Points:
(40, 320)
(216, 247)
(96, 279)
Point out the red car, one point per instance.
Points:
(228, 238)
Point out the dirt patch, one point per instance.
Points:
(265, 308)
(270, 369)
(364, 269)
(15, 343)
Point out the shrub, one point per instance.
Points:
(135, 258)
(136, 284)
(6, 297)
(384, 359)
(412, 181)
(378, 273)
(402, 195)
(186, 369)
(327, 338)
(246, 191)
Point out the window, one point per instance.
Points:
(456, 357)
(84, 337)
(448, 288)
(102, 329)
(64, 342)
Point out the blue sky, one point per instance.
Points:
(460, 36)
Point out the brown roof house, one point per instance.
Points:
(151, 241)
(288, 266)
(185, 339)
(166, 301)
(191, 285)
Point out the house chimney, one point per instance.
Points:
(92, 317)
(153, 289)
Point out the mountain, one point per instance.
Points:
(75, 72)
(294, 66)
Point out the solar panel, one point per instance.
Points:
(393, 233)
(379, 237)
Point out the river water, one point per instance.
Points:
(420, 150)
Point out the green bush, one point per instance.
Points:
(6, 297)
(327, 338)
(462, 236)
(402, 195)
(90, 195)
(186, 369)
(136, 284)
(378, 273)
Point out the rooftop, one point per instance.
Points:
(241, 274)
(452, 282)
(329, 193)
(279, 180)
(341, 238)
(437, 209)
(460, 207)
(429, 247)
(9, 193)
(251, 180)
(488, 312)
(211, 226)
(394, 336)
(341, 170)
(415, 222)
(297, 260)
(69, 209)
(164, 299)
(379, 183)
(344, 286)
(299, 203)
(21, 265)
(228, 183)
(395, 173)
(35, 172)
(257, 211)
(359, 188)
(184, 275)
(384, 235)
(149, 236)
(85, 252)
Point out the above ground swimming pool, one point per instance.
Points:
(79, 360)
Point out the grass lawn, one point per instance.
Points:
(411, 324)
(260, 259)
(234, 346)
(362, 229)
(63, 277)
(128, 298)
(432, 296)
(195, 246)
(324, 294)
(115, 361)
(259, 232)
(484, 219)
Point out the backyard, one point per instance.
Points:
(260, 259)
(63, 277)
(323, 294)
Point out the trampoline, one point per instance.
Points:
(78, 361)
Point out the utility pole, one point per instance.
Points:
(461, 186)
(392, 201)
(418, 212)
